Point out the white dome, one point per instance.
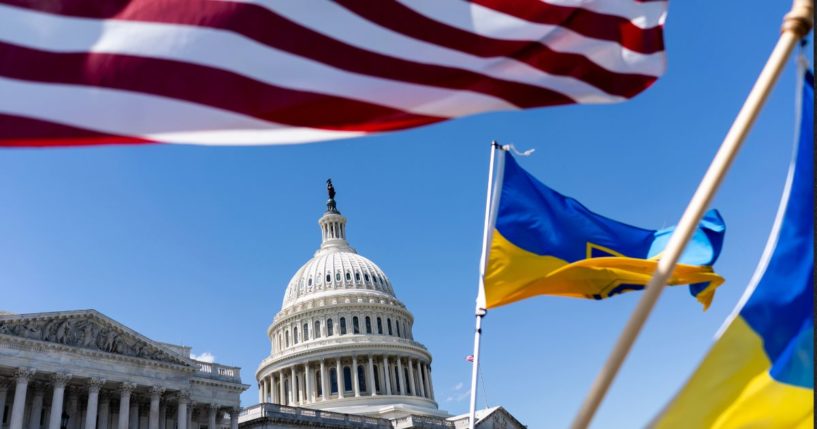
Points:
(336, 271)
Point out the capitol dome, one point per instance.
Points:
(342, 341)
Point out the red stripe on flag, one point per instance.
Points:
(26, 132)
(205, 85)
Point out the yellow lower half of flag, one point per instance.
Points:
(733, 389)
(513, 274)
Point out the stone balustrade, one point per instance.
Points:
(219, 372)
(306, 416)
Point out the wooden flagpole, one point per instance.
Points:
(796, 24)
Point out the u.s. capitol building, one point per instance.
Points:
(342, 355)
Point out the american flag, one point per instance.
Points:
(469, 358)
(223, 72)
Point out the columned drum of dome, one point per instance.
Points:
(343, 341)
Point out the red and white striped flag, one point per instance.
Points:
(469, 358)
(78, 72)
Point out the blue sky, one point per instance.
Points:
(195, 245)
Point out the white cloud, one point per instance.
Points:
(459, 386)
(458, 394)
(204, 357)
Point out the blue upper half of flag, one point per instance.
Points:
(542, 221)
(781, 309)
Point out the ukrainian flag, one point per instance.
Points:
(760, 372)
(545, 243)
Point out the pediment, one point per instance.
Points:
(90, 330)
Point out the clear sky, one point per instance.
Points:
(195, 245)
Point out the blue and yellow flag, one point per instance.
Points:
(760, 371)
(545, 243)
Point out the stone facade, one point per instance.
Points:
(83, 370)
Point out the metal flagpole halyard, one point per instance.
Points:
(491, 204)
(796, 24)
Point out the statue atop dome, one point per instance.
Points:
(330, 204)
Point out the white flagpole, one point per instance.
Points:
(796, 25)
(491, 204)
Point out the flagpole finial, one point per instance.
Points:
(800, 18)
(331, 206)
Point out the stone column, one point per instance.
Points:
(281, 394)
(355, 381)
(372, 385)
(18, 408)
(261, 391)
(234, 418)
(124, 404)
(293, 387)
(421, 378)
(308, 382)
(59, 381)
(339, 377)
(301, 396)
(386, 373)
(181, 410)
(425, 379)
(324, 382)
(211, 416)
(155, 397)
(402, 379)
(430, 384)
(93, 402)
(36, 412)
(104, 411)
(411, 377)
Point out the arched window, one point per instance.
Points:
(348, 276)
(310, 281)
(318, 382)
(355, 325)
(295, 335)
(377, 378)
(379, 326)
(316, 331)
(333, 380)
(366, 276)
(330, 328)
(406, 333)
(306, 331)
(361, 378)
(328, 278)
(280, 341)
(343, 326)
(287, 337)
(368, 325)
(347, 379)
(357, 275)
(397, 325)
(388, 324)
(337, 276)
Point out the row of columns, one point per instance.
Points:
(98, 407)
(296, 385)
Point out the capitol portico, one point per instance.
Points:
(83, 370)
(342, 341)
